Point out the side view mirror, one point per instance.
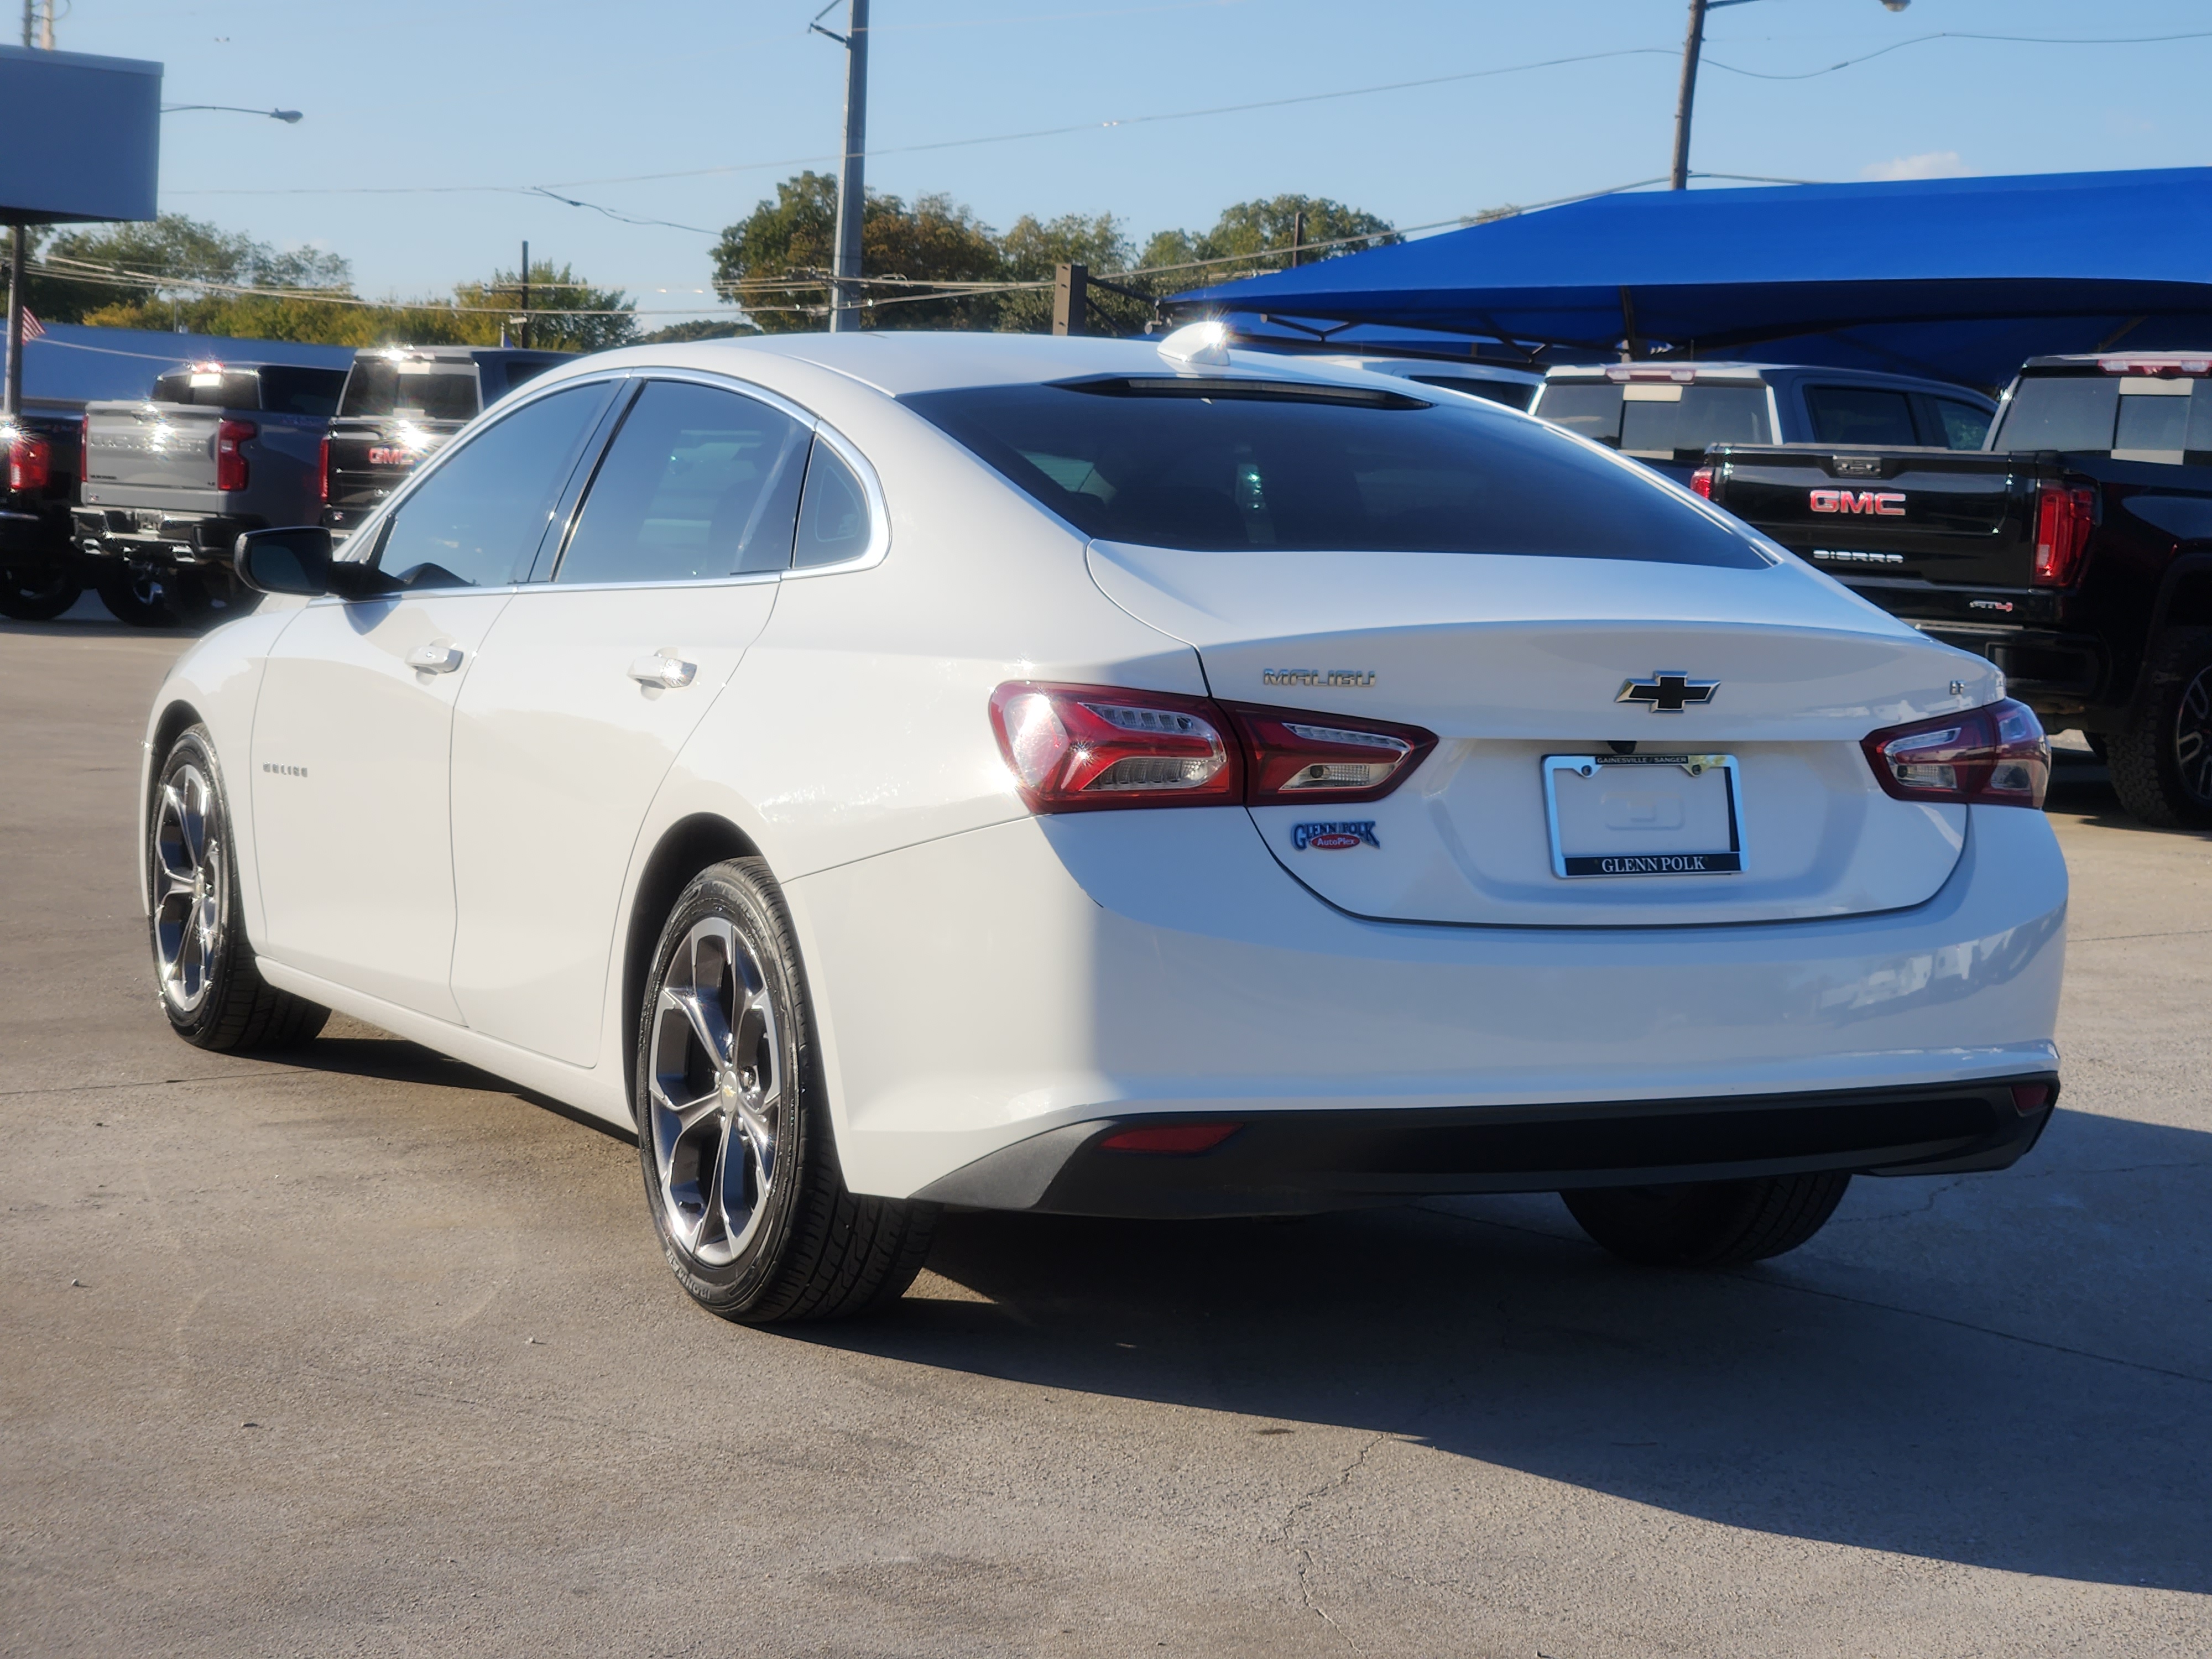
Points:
(299, 561)
(295, 560)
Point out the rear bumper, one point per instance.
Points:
(1294, 1163)
(2052, 672)
(989, 988)
(165, 540)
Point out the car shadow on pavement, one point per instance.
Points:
(1884, 1395)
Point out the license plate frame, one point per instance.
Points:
(1611, 863)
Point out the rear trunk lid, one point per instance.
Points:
(1542, 772)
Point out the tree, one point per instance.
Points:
(1033, 250)
(99, 267)
(777, 262)
(1251, 237)
(567, 313)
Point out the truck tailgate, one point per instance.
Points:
(1925, 516)
(154, 455)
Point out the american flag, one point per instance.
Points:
(32, 329)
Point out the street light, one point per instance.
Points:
(291, 116)
(1679, 176)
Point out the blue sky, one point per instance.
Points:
(464, 104)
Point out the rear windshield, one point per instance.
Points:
(1206, 464)
(1660, 420)
(285, 391)
(427, 390)
(2129, 416)
(1514, 394)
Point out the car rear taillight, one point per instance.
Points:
(1701, 481)
(30, 461)
(1076, 748)
(2062, 533)
(322, 468)
(1083, 748)
(1293, 757)
(1994, 755)
(230, 467)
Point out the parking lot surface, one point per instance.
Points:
(360, 1350)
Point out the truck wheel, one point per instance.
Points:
(211, 989)
(37, 595)
(2161, 760)
(1708, 1223)
(140, 597)
(741, 1172)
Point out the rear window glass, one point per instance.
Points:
(425, 389)
(2161, 420)
(210, 388)
(1657, 419)
(1511, 393)
(1860, 415)
(1964, 426)
(302, 391)
(1206, 465)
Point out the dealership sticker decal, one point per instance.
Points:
(1334, 837)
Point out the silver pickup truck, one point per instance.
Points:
(170, 481)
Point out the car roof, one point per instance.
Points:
(900, 362)
(463, 354)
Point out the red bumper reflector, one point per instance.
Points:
(2030, 1097)
(1171, 1138)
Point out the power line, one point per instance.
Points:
(1958, 34)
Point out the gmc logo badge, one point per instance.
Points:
(1889, 504)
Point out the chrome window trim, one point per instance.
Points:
(880, 515)
(879, 518)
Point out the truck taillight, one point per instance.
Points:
(30, 461)
(84, 449)
(2062, 533)
(230, 468)
(1994, 755)
(1084, 747)
(1701, 481)
(322, 468)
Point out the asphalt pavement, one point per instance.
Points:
(360, 1350)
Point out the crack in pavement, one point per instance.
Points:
(1304, 1553)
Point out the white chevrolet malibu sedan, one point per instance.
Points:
(1116, 778)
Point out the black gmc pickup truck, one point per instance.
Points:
(40, 572)
(2075, 552)
(399, 406)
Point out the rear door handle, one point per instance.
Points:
(439, 657)
(664, 669)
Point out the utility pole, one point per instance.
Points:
(1297, 238)
(525, 296)
(1678, 177)
(11, 396)
(845, 293)
(1071, 295)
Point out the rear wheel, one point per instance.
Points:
(2161, 760)
(211, 989)
(33, 594)
(1708, 1224)
(138, 597)
(740, 1169)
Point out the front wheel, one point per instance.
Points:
(211, 989)
(740, 1169)
(36, 595)
(2161, 761)
(1708, 1223)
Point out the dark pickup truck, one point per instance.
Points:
(39, 573)
(399, 406)
(2075, 552)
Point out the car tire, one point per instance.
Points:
(31, 595)
(140, 597)
(1708, 1224)
(740, 1166)
(2161, 761)
(204, 968)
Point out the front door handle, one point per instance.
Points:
(439, 657)
(664, 669)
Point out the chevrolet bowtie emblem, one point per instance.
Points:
(1668, 691)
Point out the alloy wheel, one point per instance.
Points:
(190, 888)
(2193, 737)
(716, 1093)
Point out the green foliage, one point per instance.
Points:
(161, 254)
(1032, 250)
(704, 328)
(561, 307)
(777, 262)
(1258, 235)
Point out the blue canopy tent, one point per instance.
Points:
(1958, 278)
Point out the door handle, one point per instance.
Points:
(664, 669)
(439, 657)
